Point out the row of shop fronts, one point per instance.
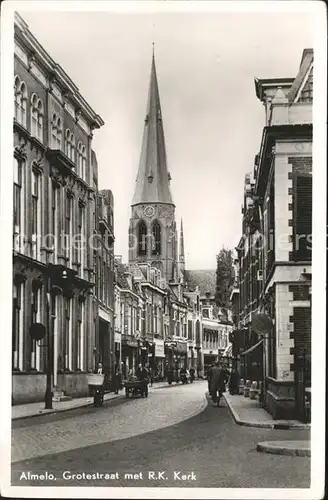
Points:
(158, 355)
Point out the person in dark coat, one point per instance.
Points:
(233, 382)
(117, 381)
(219, 379)
(143, 374)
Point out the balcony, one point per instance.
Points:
(60, 160)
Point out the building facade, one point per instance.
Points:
(275, 250)
(54, 201)
(105, 349)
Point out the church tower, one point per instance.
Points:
(152, 231)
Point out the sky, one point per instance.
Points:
(213, 121)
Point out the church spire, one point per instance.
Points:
(153, 179)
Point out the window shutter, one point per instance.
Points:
(303, 218)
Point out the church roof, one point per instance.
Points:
(153, 180)
(204, 279)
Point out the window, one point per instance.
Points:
(35, 318)
(81, 239)
(189, 329)
(17, 326)
(69, 146)
(81, 160)
(68, 229)
(17, 202)
(40, 121)
(36, 117)
(20, 101)
(36, 215)
(54, 219)
(206, 313)
(67, 335)
(156, 241)
(84, 164)
(80, 338)
(56, 132)
(142, 238)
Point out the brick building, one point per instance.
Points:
(275, 249)
(54, 200)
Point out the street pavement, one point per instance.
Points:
(172, 432)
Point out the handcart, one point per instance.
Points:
(136, 387)
(96, 382)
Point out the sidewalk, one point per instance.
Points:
(35, 409)
(248, 412)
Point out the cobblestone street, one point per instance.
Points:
(160, 433)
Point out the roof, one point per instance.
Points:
(205, 280)
(153, 180)
(306, 61)
(120, 270)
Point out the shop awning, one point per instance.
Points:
(251, 349)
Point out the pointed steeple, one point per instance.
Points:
(153, 179)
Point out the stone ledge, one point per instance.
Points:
(290, 448)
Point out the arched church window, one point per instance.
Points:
(142, 238)
(156, 238)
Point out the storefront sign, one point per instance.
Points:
(159, 349)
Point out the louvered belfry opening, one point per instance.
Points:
(142, 238)
(156, 236)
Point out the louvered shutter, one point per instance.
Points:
(303, 218)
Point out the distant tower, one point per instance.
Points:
(152, 231)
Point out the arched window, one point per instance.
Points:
(67, 143)
(36, 117)
(34, 114)
(23, 100)
(79, 159)
(17, 98)
(142, 238)
(59, 133)
(156, 238)
(20, 101)
(84, 163)
(40, 121)
(72, 140)
(56, 132)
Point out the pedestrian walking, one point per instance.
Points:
(143, 374)
(218, 382)
(117, 381)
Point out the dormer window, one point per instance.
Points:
(150, 177)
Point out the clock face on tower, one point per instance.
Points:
(149, 211)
